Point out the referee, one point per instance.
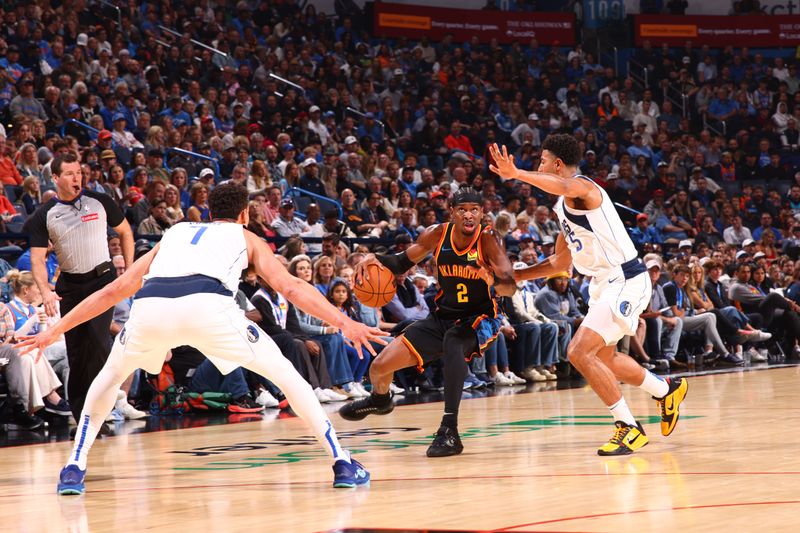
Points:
(76, 222)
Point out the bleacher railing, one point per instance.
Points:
(296, 192)
(83, 125)
(194, 155)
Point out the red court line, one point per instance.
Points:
(387, 480)
(641, 511)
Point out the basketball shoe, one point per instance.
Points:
(625, 441)
(360, 409)
(348, 475)
(669, 405)
(445, 443)
(70, 481)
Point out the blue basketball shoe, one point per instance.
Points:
(71, 480)
(348, 475)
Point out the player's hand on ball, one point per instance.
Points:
(362, 335)
(360, 272)
(503, 163)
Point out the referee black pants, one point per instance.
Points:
(88, 344)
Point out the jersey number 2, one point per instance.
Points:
(461, 295)
(199, 234)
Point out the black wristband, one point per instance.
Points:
(397, 263)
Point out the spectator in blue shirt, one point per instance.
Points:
(643, 233)
(722, 107)
(371, 127)
(639, 148)
(176, 113)
(766, 224)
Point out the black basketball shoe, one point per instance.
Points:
(445, 443)
(359, 409)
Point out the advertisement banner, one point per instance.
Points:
(725, 7)
(718, 32)
(414, 22)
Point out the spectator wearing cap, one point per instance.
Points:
(112, 106)
(310, 180)
(155, 165)
(672, 227)
(25, 104)
(663, 331)
(104, 141)
(289, 153)
(615, 192)
(529, 127)
(736, 233)
(639, 148)
(121, 136)
(369, 127)
(316, 125)
(9, 174)
(350, 147)
(287, 225)
(11, 64)
(176, 113)
(643, 233)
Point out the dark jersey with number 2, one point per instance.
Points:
(462, 293)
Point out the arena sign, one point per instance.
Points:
(305, 448)
(718, 32)
(416, 21)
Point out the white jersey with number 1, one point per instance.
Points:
(216, 249)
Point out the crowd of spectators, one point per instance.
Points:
(701, 157)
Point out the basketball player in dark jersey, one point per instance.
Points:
(464, 322)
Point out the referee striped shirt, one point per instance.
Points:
(78, 229)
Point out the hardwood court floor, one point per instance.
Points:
(529, 464)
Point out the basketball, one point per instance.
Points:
(379, 289)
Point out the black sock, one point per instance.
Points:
(381, 400)
(450, 420)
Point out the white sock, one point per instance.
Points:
(621, 412)
(304, 402)
(654, 385)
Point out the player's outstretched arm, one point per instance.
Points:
(402, 262)
(560, 261)
(123, 287)
(306, 297)
(550, 183)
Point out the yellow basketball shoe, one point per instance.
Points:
(669, 404)
(625, 441)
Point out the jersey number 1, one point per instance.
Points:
(461, 295)
(199, 234)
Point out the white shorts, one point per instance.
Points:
(211, 323)
(614, 308)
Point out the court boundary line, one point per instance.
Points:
(510, 529)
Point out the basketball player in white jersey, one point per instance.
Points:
(190, 278)
(594, 240)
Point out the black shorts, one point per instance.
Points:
(425, 338)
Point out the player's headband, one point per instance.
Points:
(466, 195)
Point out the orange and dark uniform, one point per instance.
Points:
(466, 310)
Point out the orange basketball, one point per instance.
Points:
(379, 289)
